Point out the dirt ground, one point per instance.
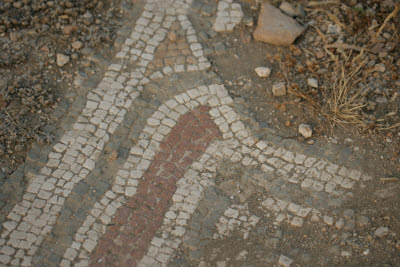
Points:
(32, 84)
(284, 114)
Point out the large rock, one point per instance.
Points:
(276, 28)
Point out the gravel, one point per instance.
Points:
(320, 63)
(62, 60)
(42, 42)
(382, 231)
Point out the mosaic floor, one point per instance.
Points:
(144, 210)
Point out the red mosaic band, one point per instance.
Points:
(135, 224)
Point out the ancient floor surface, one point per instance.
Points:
(156, 167)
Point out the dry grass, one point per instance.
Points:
(322, 3)
(344, 98)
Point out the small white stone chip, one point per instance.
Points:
(381, 231)
(263, 72)
(312, 82)
(279, 89)
(328, 220)
(285, 261)
(305, 130)
(297, 221)
(62, 60)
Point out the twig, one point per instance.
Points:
(284, 71)
(320, 3)
(330, 15)
(391, 15)
(49, 35)
(347, 46)
(391, 127)
(390, 179)
(297, 92)
(13, 121)
(321, 34)
(308, 51)
(20, 127)
(334, 19)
